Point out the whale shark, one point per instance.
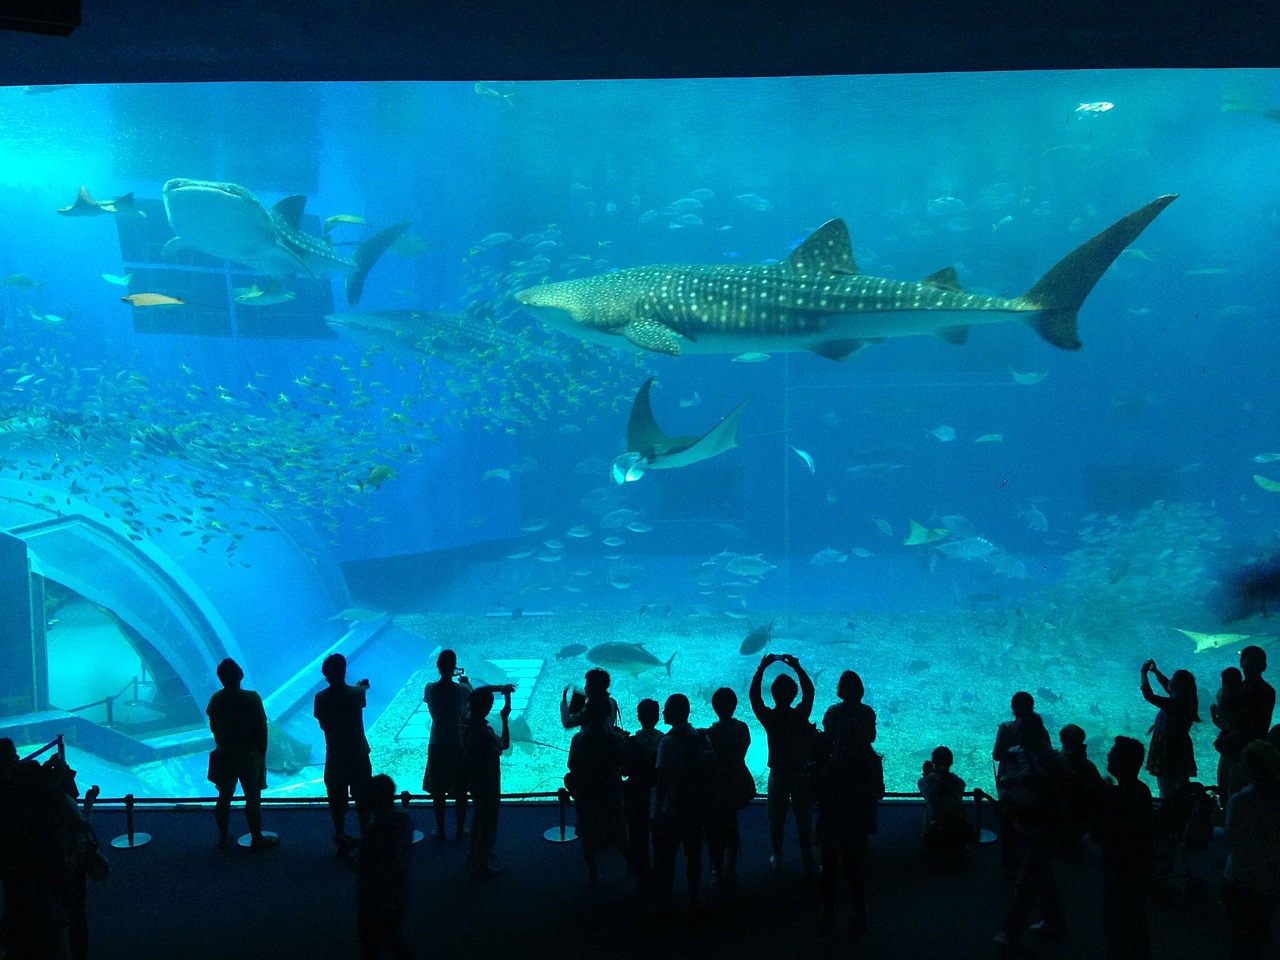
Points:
(648, 448)
(227, 221)
(816, 300)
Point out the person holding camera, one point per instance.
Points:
(1171, 756)
(790, 736)
(482, 750)
(447, 701)
(339, 709)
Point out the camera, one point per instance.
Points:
(459, 671)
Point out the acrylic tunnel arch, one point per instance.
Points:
(133, 626)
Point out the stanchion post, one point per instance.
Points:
(131, 839)
(562, 833)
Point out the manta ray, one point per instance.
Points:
(227, 221)
(648, 448)
(816, 300)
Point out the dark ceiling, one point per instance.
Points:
(173, 40)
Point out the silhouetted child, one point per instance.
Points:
(445, 778)
(239, 725)
(1124, 828)
(481, 753)
(733, 787)
(947, 833)
(339, 709)
(639, 766)
(383, 872)
(1227, 712)
(790, 736)
(1080, 789)
(596, 687)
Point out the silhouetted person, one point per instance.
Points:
(947, 833)
(1171, 756)
(447, 702)
(8, 814)
(733, 787)
(239, 725)
(1254, 718)
(595, 772)
(1033, 804)
(383, 873)
(640, 760)
(340, 711)
(790, 736)
(684, 757)
(849, 791)
(595, 687)
(1023, 707)
(1080, 788)
(1226, 712)
(46, 842)
(482, 750)
(1251, 834)
(1124, 828)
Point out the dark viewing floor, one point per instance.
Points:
(180, 897)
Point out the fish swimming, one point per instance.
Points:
(756, 639)
(630, 658)
(815, 300)
(648, 448)
(226, 220)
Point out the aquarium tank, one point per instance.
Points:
(928, 377)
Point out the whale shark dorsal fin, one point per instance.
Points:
(944, 279)
(291, 210)
(827, 250)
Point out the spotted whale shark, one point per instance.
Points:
(816, 300)
(226, 220)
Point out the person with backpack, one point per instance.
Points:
(1033, 804)
(849, 789)
(684, 764)
(790, 737)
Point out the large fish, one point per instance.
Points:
(630, 658)
(815, 300)
(648, 448)
(226, 220)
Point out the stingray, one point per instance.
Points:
(648, 448)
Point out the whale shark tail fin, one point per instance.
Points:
(367, 254)
(1057, 296)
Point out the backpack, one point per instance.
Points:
(1031, 787)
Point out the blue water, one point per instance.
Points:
(998, 175)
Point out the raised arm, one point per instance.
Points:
(754, 695)
(806, 688)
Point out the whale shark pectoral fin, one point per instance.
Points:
(653, 336)
(957, 335)
(842, 349)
